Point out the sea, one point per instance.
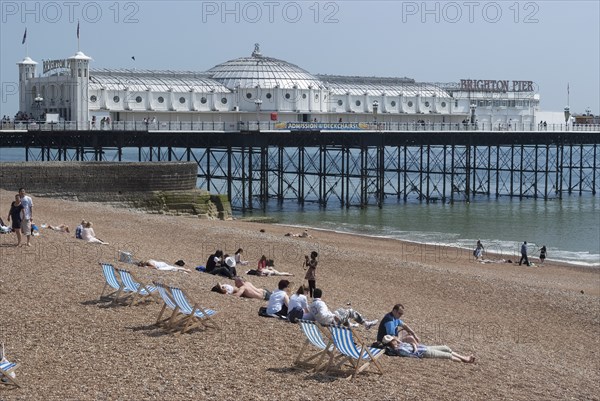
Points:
(568, 227)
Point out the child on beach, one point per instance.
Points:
(311, 273)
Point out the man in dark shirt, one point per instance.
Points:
(213, 260)
(392, 325)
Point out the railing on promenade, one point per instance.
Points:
(284, 126)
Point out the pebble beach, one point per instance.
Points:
(535, 331)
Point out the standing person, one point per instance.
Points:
(524, 254)
(27, 214)
(542, 254)
(392, 325)
(478, 253)
(311, 273)
(16, 214)
(325, 317)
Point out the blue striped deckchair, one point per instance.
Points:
(357, 353)
(195, 315)
(168, 302)
(137, 288)
(314, 336)
(110, 277)
(6, 371)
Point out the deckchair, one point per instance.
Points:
(195, 315)
(111, 281)
(358, 354)
(171, 321)
(314, 335)
(6, 371)
(137, 288)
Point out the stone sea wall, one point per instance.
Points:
(160, 187)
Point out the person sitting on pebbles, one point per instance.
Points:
(88, 234)
(303, 234)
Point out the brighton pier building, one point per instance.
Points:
(240, 92)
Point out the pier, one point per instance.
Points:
(344, 168)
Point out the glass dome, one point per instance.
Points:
(265, 72)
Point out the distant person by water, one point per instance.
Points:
(478, 252)
(524, 254)
(542, 254)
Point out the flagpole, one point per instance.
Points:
(78, 48)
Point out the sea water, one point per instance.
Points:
(569, 227)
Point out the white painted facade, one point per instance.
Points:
(258, 88)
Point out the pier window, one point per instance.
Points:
(182, 100)
(304, 96)
(93, 98)
(340, 102)
(116, 99)
(138, 99)
(426, 104)
(287, 96)
(269, 95)
(443, 104)
(161, 99)
(203, 100)
(224, 100)
(248, 95)
(358, 103)
(410, 104)
(393, 103)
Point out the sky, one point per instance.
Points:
(556, 44)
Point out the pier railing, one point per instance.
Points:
(283, 126)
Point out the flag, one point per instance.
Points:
(133, 58)
(77, 29)
(567, 88)
(24, 37)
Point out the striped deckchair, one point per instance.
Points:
(171, 321)
(314, 336)
(110, 277)
(358, 354)
(137, 288)
(7, 371)
(195, 315)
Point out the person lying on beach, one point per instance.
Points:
(242, 289)
(264, 268)
(325, 317)
(303, 234)
(88, 234)
(398, 348)
(164, 266)
(62, 228)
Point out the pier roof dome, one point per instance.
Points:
(265, 72)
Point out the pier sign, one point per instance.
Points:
(492, 85)
(50, 65)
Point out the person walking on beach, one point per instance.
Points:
(478, 253)
(542, 254)
(311, 273)
(16, 214)
(27, 215)
(524, 254)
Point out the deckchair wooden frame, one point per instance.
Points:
(311, 329)
(170, 323)
(346, 341)
(6, 369)
(197, 314)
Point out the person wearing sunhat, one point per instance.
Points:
(398, 348)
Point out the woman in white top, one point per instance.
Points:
(279, 300)
(88, 234)
(238, 257)
(298, 306)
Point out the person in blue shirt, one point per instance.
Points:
(392, 325)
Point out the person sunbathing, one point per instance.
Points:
(164, 266)
(398, 348)
(265, 268)
(242, 289)
(62, 228)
